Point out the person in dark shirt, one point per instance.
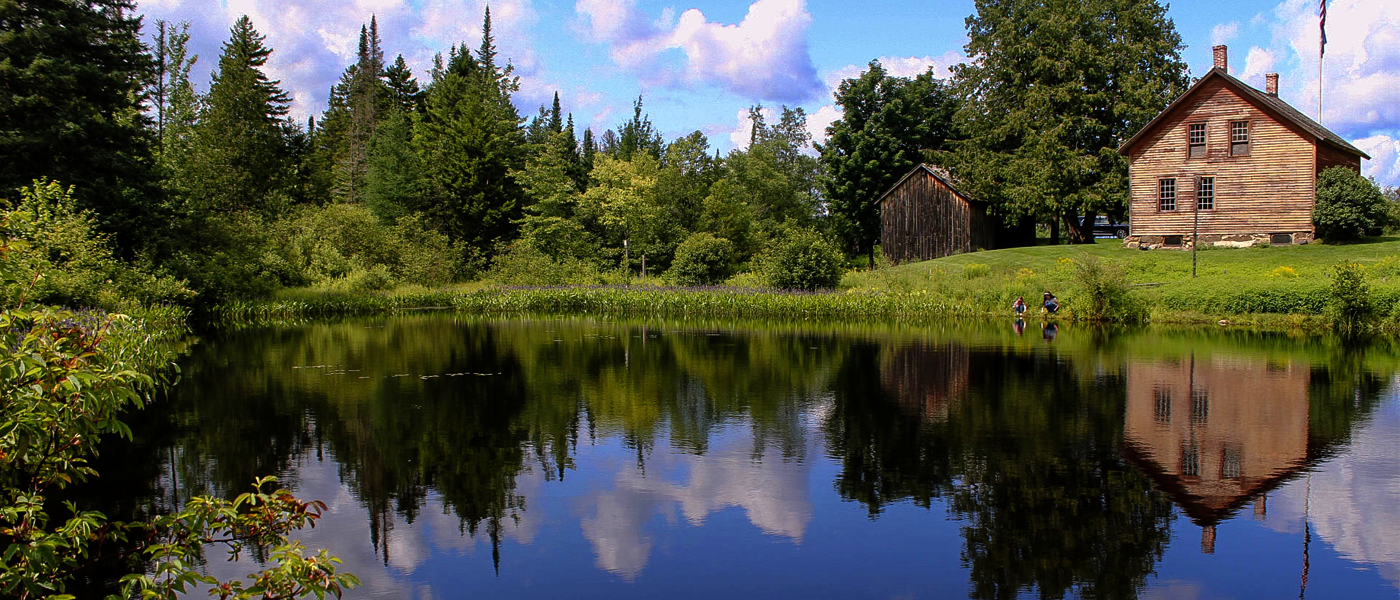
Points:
(1050, 304)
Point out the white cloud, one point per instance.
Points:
(1257, 63)
(763, 57)
(1385, 158)
(1224, 32)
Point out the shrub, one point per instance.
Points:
(702, 259)
(1348, 207)
(803, 259)
(1349, 305)
(346, 247)
(523, 264)
(1105, 292)
(976, 270)
(78, 267)
(1284, 272)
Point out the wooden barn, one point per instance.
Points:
(1236, 164)
(924, 217)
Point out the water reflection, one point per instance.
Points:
(576, 457)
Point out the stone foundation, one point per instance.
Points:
(1227, 240)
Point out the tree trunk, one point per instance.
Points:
(1054, 231)
(1082, 232)
(870, 253)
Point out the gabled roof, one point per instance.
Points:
(1275, 105)
(938, 173)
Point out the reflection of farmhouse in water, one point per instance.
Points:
(1215, 432)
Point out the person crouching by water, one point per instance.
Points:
(1019, 306)
(1050, 305)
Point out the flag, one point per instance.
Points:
(1322, 26)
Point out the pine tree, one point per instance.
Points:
(73, 76)
(241, 138)
(589, 153)
(366, 94)
(638, 135)
(403, 87)
(1054, 88)
(176, 101)
(470, 141)
(556, 117)
(887, 126)
(576, 169)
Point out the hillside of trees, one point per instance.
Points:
(200, 197)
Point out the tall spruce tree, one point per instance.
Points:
(403, 87)
(244, 160)
(73, 76)
(638, 135)
(588, 152)
(469, 140)
(1052, 89)
(887, 126)
(367, 95)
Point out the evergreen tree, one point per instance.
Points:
(1053, 88)
(887, 126)
(470, 141)
(638, 135)
(243, 158)
(395, 184)
(73, 76)
(556, 117)
(403, 87)
(366, 94)
(177, 102)
(589, 152)
(576, 169)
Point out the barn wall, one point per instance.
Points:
(922, 219)
(1328, 156)
(1271, 190)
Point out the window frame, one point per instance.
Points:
(1162, 194)
(1204, 184)
(1235, 141)
(1191, 144)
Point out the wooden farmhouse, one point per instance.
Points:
(924, 217)
(1233, 163)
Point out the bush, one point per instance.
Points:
(803, 259)
(1349, 207)
(1105, 292)
(976, 271)
(1349, 306)
(346, 247)
(523, 264)
(61, 258)
(702, 259)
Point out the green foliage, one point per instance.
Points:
(976, 270)
(67, 261)
(702, 259)
(1053, 88)
(803, 259)
(523, 264)
(1104, 292)
(73, 76)
(345, 247)
(886, 124)
(1350, 305)
(394, 182)
(1349, 206)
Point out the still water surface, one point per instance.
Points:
(576, 458)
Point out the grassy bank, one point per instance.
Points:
(1270, 288)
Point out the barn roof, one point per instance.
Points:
(938, 173)
(1270, 102)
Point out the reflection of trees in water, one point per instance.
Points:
(411, 408)
(1027, 456)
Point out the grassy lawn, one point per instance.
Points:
(1230, 281)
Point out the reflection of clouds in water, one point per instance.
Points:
(772, 492)
(1355, 502)
(345, 530)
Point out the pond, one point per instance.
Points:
(581, 458)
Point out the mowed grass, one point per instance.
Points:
(1280, 280)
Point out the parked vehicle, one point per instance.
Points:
(1105, 227)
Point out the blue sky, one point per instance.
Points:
(699, 65)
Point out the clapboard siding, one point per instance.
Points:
(1270, 190)
(1328, 156)
(923, 218)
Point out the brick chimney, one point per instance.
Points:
(1222, 59)
(1271, 84)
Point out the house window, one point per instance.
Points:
(1200, 407)
(1205, 194)
(1162, 405)
(1196, 140)
(1230, 463)
(1166, 194)
(1239, 138)
(1191, 461)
